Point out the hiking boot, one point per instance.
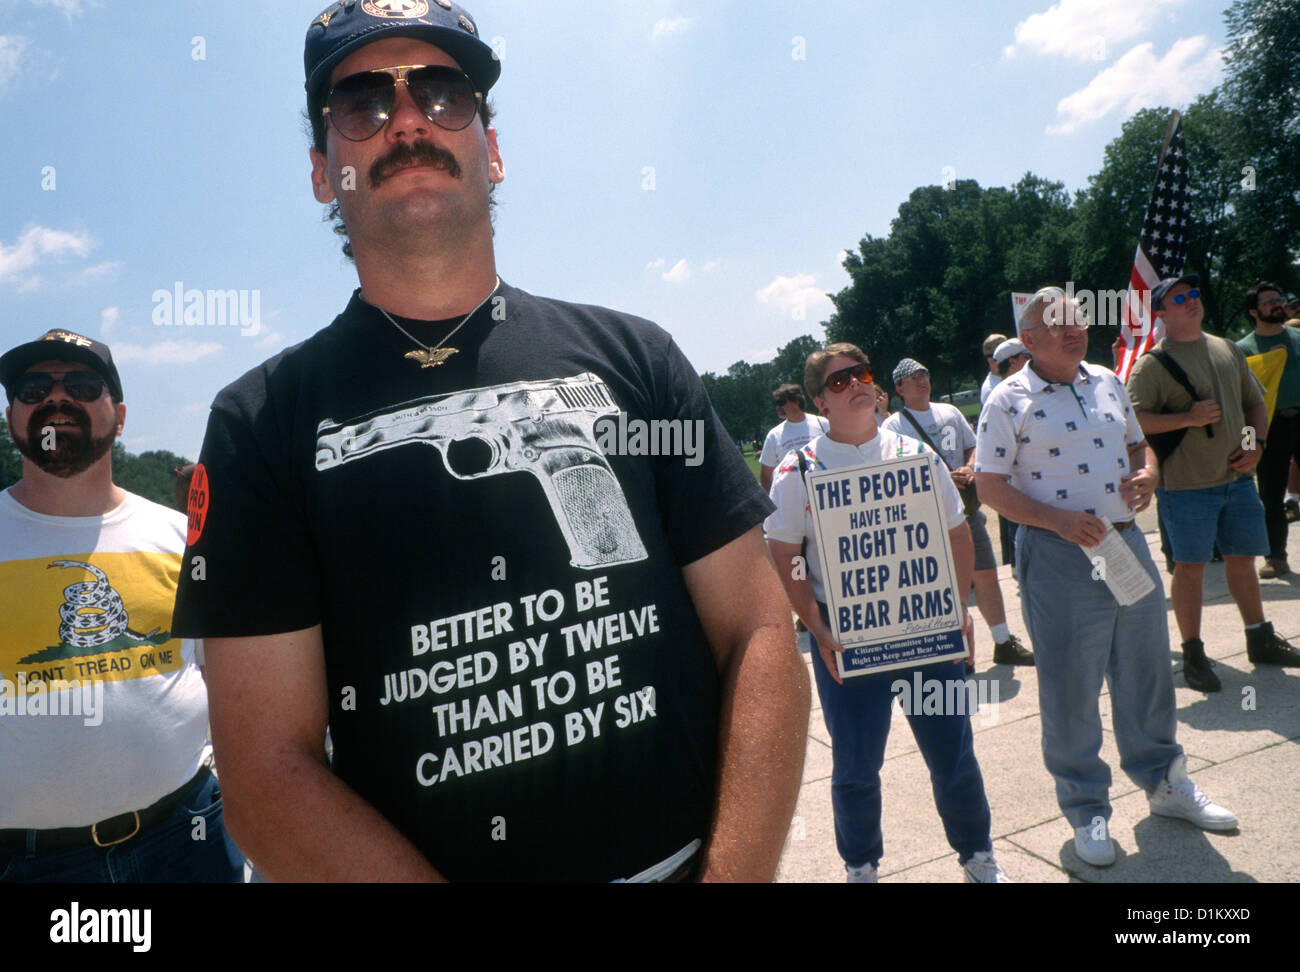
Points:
(1197, 668)
(1274, 567)
(1263, 647)
(1012, 652)
(1177, 796)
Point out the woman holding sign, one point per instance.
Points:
(891, 593)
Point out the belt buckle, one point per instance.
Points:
(94, 832)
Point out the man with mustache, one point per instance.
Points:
(543, 650)
(103, 751)
(1266, 308)
(1059, 450)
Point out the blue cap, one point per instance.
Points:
(349, 25)
(1169, 283)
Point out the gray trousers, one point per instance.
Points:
(1081, 636)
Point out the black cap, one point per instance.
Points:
(1169, 283)
(60, 345)
(349, 25)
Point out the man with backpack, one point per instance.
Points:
(1204, 412)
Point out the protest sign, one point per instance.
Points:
(887, 562)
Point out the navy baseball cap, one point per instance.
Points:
(1169, 283)
(349, 25)
(60, 345)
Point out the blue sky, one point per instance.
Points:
(702, 165)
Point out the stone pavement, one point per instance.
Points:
(1243, 747)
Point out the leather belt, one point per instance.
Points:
(106, 833)
(1123, 526)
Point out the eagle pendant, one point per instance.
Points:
(431, 359)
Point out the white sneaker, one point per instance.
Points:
(982, 868)
(1177, 796)
(866, 874)
(1092, 844)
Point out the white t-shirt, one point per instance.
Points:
(944, 424)
(789, 436)
(88, 601)
(793, 523)
(1062, 445)
(990, 382)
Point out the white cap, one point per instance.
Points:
(1008, 350)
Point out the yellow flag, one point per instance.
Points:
(1268, 368)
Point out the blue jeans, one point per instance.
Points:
(1081, 636)
(166, 852)
(857, 716)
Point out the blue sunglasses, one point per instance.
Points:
(1184, 298)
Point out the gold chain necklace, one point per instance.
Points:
(432, 357)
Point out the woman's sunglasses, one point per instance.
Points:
(839, 380)
(359, 105)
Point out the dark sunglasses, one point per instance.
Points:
(359, 105)
(35, 387)
(839, 380)
(1184, 298)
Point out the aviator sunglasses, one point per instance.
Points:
(359, 105)
(839, 380)
(35, 387)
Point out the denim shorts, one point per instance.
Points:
(1196, 517)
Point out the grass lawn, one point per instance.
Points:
(752, 462)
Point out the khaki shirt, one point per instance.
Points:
(1218, 371)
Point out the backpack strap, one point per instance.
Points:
(1179, 375)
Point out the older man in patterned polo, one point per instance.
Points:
(1060, 451)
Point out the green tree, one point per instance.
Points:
(11, 460)
(1262, 89)
(148, 474)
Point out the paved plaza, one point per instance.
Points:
(1243, 747)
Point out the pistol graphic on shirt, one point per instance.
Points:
(545, 428)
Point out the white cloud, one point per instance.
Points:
(762, 355)
(1140, 79)
(36, 245)
(12, 49)
(69, 8)
(668, 26)
(680, 273)
(272, 339)
(710, 266)
(1083, 30)
(108, 320)
(797, 295)
(167, 352)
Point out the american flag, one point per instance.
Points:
(1162, 248)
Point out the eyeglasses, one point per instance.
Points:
(35, 387)
(839, 380)
(1272, 302)
(1184, 298)
(359, 105)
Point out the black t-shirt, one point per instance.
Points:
(328, 498)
